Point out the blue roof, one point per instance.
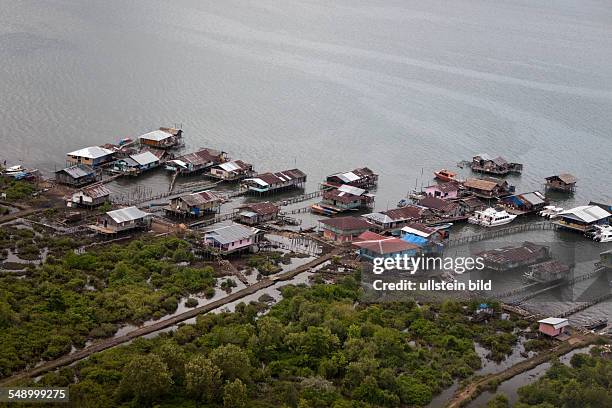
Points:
(414, 239)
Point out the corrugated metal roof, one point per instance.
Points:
(96, 191)
(78, 171)
(144, 158)
(484, 156)
(347, 223)
(262, 208)
(534, 198)
(378, 218)
(351, 190)
(127, 214)
(564, 177)
(202, 197)
(480, 184)
(556, 322)
(586, 213)
(203, 157)
(156, 135)
(419, 229)
(234, 165)
(231, 233)
(266, 179)
(92, 152)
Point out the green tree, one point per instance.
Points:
(202, 379)
(174, 358)
(413, 392)
(500, 401)
(233, 362)
(235, 394)
(146, 378)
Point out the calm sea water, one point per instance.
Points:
(402, 86)
(405, 87)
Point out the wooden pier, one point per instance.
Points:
(568, 282)
(214, 220)
(585, 306)
(500, 232)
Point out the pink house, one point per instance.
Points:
(443, 190)
(553, 326)
(231, 238)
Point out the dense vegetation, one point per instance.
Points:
(587, 383)
(318, 347)
(76, 297)
(16, 189)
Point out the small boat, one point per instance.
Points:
(445, 175)
(19, 172)
(491, 218)
(550, 211)
(596, 324)
(9, 171)
(402, 203)
(601, 233)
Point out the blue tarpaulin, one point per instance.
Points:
(415, 239)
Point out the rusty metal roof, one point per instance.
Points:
(349, 223)
(263, 208)
(203, 197)
(564, 177)
(96, 191)
(480, 184)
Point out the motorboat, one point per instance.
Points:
(9, 171)
(19, 172)
(491, 217)
(601, 233)
(445, 175)
(550, 211)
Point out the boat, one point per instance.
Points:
(596, 324)
(491, 217)
(600, 233)
(19, 172)
(445, 175)
(550, 211)
(402, 203)
(13, 170)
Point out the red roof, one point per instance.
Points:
(349, 223)
(405, 213)
(369, 236)
(437, 204)
(341, 196)
(262, 208)
(383, 245)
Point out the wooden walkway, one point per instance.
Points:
(212, 221)
(500, 232)
(568, 282)
(184, 189)
(163, 324)
(479, 385)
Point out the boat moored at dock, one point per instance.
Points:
(491, 217)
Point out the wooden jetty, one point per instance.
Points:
(500, 232)
(558, 284)
(586, 305)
